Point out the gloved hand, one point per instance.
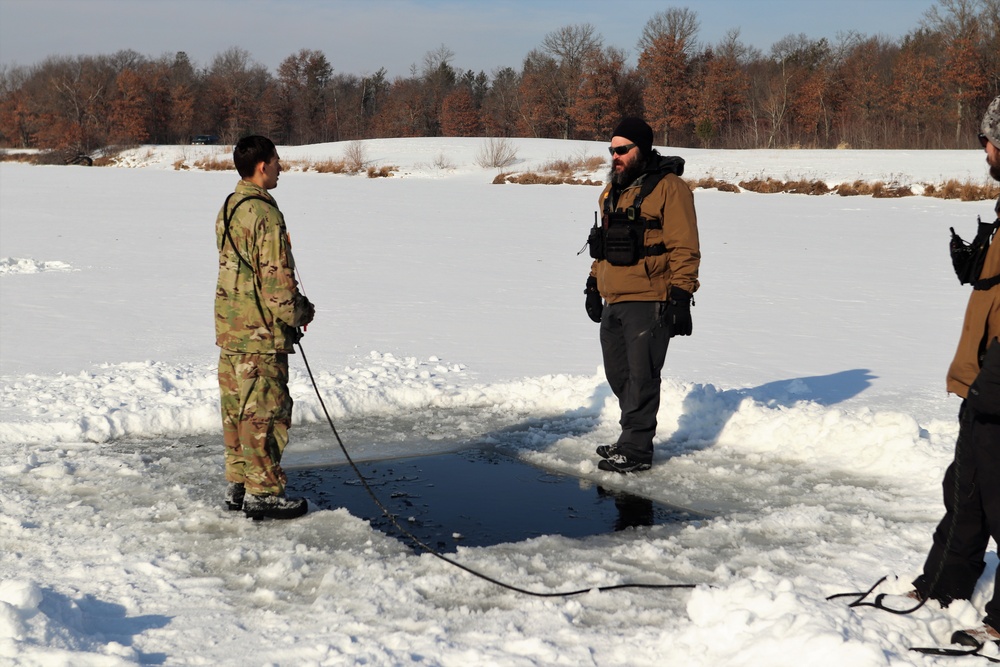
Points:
(594, 305)
(305, 312)
(984, 394)
(677, 313)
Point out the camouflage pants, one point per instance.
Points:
(256, 414)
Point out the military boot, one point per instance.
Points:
(234, 496)
(274, 507)
(976, 636)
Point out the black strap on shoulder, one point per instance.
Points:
(648, 183)
(227, 216)
(987, 283)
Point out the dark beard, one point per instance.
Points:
(625, 177)
(994, 167)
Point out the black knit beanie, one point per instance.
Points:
(637, 131)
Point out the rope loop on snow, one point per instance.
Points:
(878, 603)
(427, 548)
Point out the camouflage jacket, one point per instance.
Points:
(257, 306)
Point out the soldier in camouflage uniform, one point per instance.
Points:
(258, 312)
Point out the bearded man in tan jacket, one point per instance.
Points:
(645, 271)
(972, 481)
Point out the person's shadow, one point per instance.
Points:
(706, 411)
(102, 622)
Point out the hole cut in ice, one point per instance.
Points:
(478, 497)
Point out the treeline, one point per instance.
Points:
(924, 90)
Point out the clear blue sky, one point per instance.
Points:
(359, 36)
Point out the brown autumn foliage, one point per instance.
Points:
(712, 183)
(669, 86)
(876, 189)
(329, 167)
(571, 166)
(953, 189)
(459, 117)
(382, 172)
(765, 185)
(534, 178)
(214, 163)
(925, 90)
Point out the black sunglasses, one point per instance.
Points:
(620, 150)
(983, 139)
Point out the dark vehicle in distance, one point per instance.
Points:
(205, 139)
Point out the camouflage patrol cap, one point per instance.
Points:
(991, 122)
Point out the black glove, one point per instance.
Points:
(594, 305)
(984, 394)
(677, 313)
(307, 313)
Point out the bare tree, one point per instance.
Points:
(990, 26)
(953, 17)
(305, 79)
(238, 87)
(959, 22)
(355, 156)
(501, 104)
(496, 153)
(569, 47)
(436, 81)
(679, 23)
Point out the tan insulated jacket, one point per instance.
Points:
(982, 324)
(671, 202)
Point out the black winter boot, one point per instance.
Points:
(976, 636)
(607, 451)
(234, 496)
(618, 462)
(274, 507)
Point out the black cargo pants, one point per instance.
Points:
(972, 514)
(634, 344)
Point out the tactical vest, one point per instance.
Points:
(968, 258)
(621, 237)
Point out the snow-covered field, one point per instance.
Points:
(807, 413)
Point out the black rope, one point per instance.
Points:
(955, 652)
(878, 604)
(417, 541)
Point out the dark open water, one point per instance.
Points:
(478, 497)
